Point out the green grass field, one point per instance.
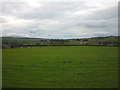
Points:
(60, 67)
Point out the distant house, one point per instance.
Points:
(85, 41)
(81, 42)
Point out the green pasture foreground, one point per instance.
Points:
(60, 67)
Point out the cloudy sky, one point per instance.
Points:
(59, 19)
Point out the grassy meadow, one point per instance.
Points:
(60, 67)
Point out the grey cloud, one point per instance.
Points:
(35, 31)
(100, 22)
(105, 14)
(102, 34)
(2, 20)
(46, 11)
(93, 24)
(10, 7)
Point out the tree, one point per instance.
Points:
(37, 44)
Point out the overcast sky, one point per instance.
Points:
(60, 19)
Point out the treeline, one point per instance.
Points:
(14, 46)
(31, 42)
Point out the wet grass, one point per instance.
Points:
(60, 67)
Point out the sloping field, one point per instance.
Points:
(60, 67)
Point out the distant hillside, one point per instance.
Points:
(10, 42)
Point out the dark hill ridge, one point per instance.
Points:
(12, 42)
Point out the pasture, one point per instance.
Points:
(60, 67)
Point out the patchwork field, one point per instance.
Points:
(60, 67)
